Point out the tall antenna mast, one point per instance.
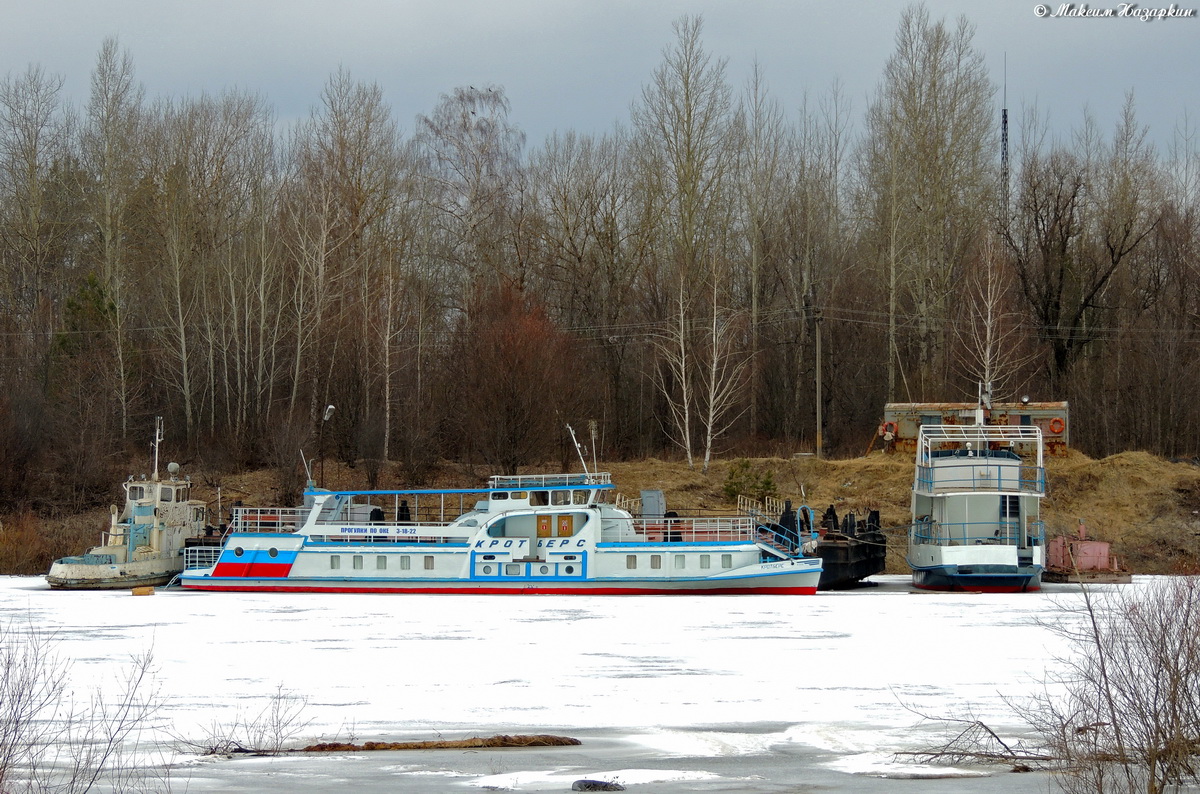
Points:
(1004, 149)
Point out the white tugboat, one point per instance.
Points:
(143, 545)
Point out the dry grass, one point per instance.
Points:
(28, 544)
(1149, 508)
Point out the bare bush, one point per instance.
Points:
(268, 732)
(1120, 713)
(1126, 716)
(49, 741)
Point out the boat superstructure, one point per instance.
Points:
(976, 499)
(144, 542)
(522, 534)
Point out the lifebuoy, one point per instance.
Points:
(1056, 425)
(889, 427)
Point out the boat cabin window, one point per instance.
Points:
(335, 562)
(704, 561)
(498, 496)
(164, 493)
(539, 498)
(429, 562)
(181, 494)
(381, 563)
(656, 561)
(726, 560)
(580, 497)
(560, 497)
(680, 562)
(631, 561)
(518, 495)
(496, 529)
(405, 563)
(137, 492)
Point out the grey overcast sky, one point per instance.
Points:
(579, 64)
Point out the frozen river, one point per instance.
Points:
(683, 693)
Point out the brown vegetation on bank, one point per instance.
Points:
(474, 743)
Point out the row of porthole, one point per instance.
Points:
(238, 551)
(544, 569)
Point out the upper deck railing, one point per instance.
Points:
(979, 474)
(724, 529)
(980, 458)
(267, 519)
(527, 481)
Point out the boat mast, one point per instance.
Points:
(579, 451)
(158, 437)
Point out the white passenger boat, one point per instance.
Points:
(527, 534)
(144, 542)
(976, 500)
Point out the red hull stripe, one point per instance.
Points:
(262, 570)
(270, 588)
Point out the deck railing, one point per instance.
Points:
(527, 481)
(325, 532)
(267, 519)
(980, 474)
(680, 530)
(200, 557)
(982, 533)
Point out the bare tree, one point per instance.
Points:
(472, 156)
(686, 131)
(989, 331)
(927, 167)
(722, 373)
(513, 379)
(675, 378)
(760, 165)
(1079, 219)
(112, 155)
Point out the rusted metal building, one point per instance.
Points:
(898, 432)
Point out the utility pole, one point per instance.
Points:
(820, 443)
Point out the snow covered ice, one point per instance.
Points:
(680, 693)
